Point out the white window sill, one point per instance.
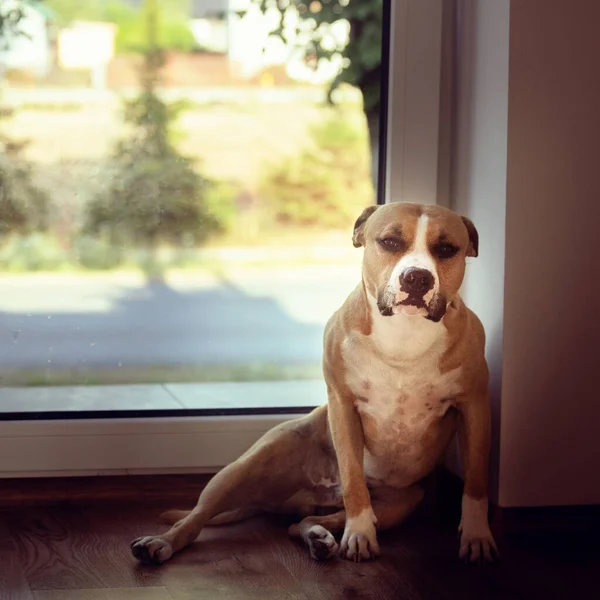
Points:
(79, 443)
(247, 397)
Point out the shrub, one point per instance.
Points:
(33, 252)
(97, 253)
(152, 200)
(24, 206)
(326, 184)
(220, 204)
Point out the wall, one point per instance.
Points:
(526, 166)
(550, 444)
(478, 183)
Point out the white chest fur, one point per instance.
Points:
(396, 378)
(386, 388)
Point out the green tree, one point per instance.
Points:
(362, 54)
(155, 195)
(11, 13)
(23, 205)
(67, 11)
(173, 31)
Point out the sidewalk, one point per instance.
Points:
(212, 397)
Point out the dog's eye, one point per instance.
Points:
(391, 243)
(445, 250)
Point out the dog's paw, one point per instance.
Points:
(359, 541)
(151, 550)
(321, 543)
(477, 544)
(359, 546)
(477, 547)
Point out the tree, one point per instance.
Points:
(68, 11)
(154, 195)
(362, 53)
(173, 31)
(11, 13)
(24, 206)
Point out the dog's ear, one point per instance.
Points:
(358, 237)
(473, 249)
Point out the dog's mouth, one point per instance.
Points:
(413, 305)
(437, 308)
(412, 300)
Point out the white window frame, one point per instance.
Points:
(413, 126)
(184, 444)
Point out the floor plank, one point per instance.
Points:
(148, 593)
(13, 582)
(82, 552)
(240, 561)
(181, 489)
(75, 547)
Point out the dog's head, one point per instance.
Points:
(414, 260)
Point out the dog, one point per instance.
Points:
(405, 370)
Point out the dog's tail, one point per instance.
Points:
(171, 517)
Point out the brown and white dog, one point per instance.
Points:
(405, 371)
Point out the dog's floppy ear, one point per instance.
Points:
(358, 237)
(473, 249)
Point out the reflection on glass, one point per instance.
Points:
(178, 183)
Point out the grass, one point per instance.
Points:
(158, 374)
(231, 141)
(300, 249)
(212, 267)
(52, 107)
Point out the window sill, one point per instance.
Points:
(179, 399)
(203, 427)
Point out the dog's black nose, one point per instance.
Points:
(416, 281)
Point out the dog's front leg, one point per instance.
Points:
(476, 540)
(359, 541)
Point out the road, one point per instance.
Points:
(263, 316)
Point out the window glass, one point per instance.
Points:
(178, 184)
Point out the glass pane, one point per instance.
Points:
(178, 184)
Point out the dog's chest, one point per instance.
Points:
(413, 394)
(402, 403)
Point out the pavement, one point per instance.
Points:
(243, 317)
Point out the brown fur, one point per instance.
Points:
(290, 469)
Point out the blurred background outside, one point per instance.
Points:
(178, 184)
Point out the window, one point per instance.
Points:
(179, 184)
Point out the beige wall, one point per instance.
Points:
(527, 170)
(550, 443)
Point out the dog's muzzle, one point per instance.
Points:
(415, 291)
(415, 288)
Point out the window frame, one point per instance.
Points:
(187, 441)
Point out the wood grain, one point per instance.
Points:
(81, 551)
(148, 593)
(13, 583)
(118, 489)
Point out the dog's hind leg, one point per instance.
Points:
(266, 475)
(172, 517)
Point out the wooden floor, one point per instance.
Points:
(81, 552)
